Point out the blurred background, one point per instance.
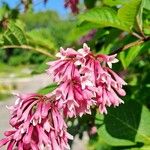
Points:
(31, 33)
(27, 27)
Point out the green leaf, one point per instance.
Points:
(102, 16)
(43, 38)
(47, 89)
(127, 14)
(145, 148)
(4, 11)
(112, 140)
(147, 4)
(143, 133)
(40, 68)
(14, 35)
(114, 2)
(89, 3)
(126, 125)
(139, 17)
(124, 19)
(111, 41)
(81, 30)
(147, 30)
(128, 57)
(123, 122)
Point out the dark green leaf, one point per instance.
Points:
(126, 125)
(143, 133)
(123, 122)
(128, 56)
(89, 3)
(110, 140)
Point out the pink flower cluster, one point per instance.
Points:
(84, 80)
(73, 5)
(37, 123)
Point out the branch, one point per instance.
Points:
(137, 35)
(125, 47)
(28, 48)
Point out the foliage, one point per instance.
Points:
(31, 31)
(121, 26)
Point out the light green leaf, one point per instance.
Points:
(147, 4)
(128, 12)
(147, 29)
(145, 148)
(124, 19)
(102, 16)
(114, 2)
(139, 17)
(4, 11)
(142, 148)
(14, 35)
(42, 38)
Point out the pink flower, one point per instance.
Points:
(84, 80)
(64, 68)
(38, 124)
(75, 91)
(106, 82)
(73, 5)
(89, 61)
(108, 59)
(73, 98)
(106, 92)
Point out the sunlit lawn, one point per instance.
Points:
(7, 72)
(15, 71)
(4, 96)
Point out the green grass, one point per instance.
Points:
(17, 71)
(7, 71)
(4, 96)
(5, 91)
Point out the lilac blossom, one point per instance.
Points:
(106, 81)
(37, 124)
(75, 99)
(84, 80)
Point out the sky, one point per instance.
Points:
(57, 5)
